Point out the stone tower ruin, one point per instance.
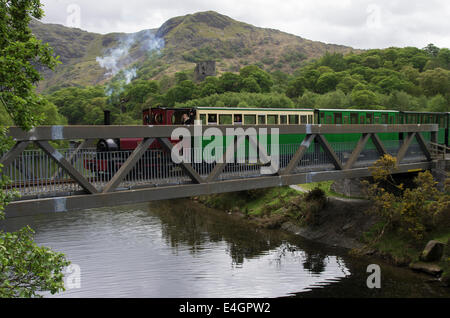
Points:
(204, 69)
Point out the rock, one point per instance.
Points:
(432, 252)
(428, 268)
(445, 279)
(347, 227)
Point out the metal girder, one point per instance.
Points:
(99, 132)
(306, 143)
(423, 146)
(405, 146)
(13, 153)
(378, 144)
(218, 168)
(329, 151)
(128, 165)
(81, 202)
(188, 169)
(63, 163)
(357, 151)
(72, 156)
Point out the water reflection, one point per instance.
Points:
(181, 249)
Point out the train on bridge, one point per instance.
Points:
(108, 165)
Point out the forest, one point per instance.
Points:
(407, 78)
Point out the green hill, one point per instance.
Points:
(180, 43)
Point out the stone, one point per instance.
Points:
(204, 69)
(433, 251)
(428, 268)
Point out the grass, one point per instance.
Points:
(325, 186)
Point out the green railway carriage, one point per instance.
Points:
(356, 117)
(235, 116)
(442, 119)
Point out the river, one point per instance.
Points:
(182, 249)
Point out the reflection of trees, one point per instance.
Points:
(186, 223)
(314, 262)
(311, 259)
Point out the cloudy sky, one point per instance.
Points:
(357, 23)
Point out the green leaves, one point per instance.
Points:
(21, 54)
(28, 269)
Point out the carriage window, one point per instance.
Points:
(293, 119)
(283, 119)
(354, 119)
(441, 122)
(362, 120)
(338, 118)
(377, 120)
(261, 119)
(369, 118)
(212, 119)
(345, 120)
(272, 119)
(250, 119)
(384, 118)
(303, 120)
(391, 120)
(203, 119)
(310, 119)
(225, 120)
(237, 119)
(322, 118)
(329, 119)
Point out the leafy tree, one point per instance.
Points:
(250, 85)
(262, 78)
(25, 268)
(439, 104)
(432, 50)
(21, 54)
(364, 98)
(436, 81)
(444, 58)
(411, 212)
(230, 82)
(296, 87)
(327, 82)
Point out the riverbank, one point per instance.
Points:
(333, 219)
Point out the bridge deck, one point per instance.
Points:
(50, 180)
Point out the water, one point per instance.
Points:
(182, 249)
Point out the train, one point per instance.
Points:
(107, 165)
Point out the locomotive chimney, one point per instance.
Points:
(107, 117)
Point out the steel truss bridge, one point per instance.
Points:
(51, 177)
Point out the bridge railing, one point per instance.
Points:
(38, 169)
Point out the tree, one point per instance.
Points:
(327, 82)
(431, 49)
(25, 268)
(296, 87)
(262, 78)
(436, 81)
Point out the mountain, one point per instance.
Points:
(90, 58)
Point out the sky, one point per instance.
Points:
(360, 24)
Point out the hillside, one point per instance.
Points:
(179, 43)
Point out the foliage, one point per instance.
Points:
(21, 54)
(25, 268)
(411, 212)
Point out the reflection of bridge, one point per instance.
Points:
(51, 180)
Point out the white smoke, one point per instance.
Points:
(116, 59)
